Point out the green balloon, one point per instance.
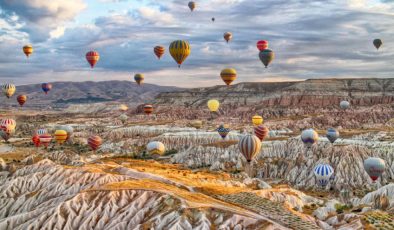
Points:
(377, 43)
(266, 56)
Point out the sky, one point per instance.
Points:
(311, 39)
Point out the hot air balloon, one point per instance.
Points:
(28, 50)
(196, 124)
(10, 122)
(159, 51)
(69, 129)
(179, 50)
(36, 140)
(213, 105)
(41, 131)
(156, 147)
(192, 6)
(323, 174)
(123, 118)
(332, 135)
(266, 57)
(92, 57)
(123, 108)
(223, 131)
(8, 90)
(213, 19)
(261, 132)
(250, 146)
(45, 139)
(257, 120)
(227, 36)
(262, 45)
(139, 78)
(5, 132)
(148, 109)
(21, 99)
(46, 87)
(228, 75)
(344, 104)
(309, 137)
(377, 43)
(374, 166)
(60, 136)
(94, 142)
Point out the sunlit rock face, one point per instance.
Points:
(48, 196)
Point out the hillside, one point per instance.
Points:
(318, 92)
(64, 93)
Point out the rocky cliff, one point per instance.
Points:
(316, 92)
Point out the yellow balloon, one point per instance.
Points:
(28, 50)
(123, 107)
(8, 90)
(257, 120)
(179, 50)
(213, 105)
(60, 136)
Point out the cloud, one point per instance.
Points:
(42, 17)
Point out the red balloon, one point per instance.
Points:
(92, 57)
(262, 45)
(261, 132)
(94, 142)
(36, 140)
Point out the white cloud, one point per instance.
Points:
(156, 16)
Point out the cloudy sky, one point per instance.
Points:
(311, 39)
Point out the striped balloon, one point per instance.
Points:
(250, 146)
(262, 45)
(148, 109)
(139, 78)
(179, 50)
(257, 120)
(156, 147)
(8, 129)
(375, 167)
(28, 50)
(228, 75)
(21, 99)
(10, 122)
(46, 87)
(94, 142)
(92, 57)
(45, 139)
(323, 173)
(60, 136)
(261, 132)
(309, 137)
(41, 131)
(159, 51)
(8, 90)
(223, 131)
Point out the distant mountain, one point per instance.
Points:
(314, 92)
(65, 93)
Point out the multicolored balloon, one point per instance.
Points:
(148, 109)
(45, 139)
(375, 167)
(266, 56)
(228, 75)
(192, 6)
(213, 105)
(262, 45)
(28, 50)
(309, 137)
(179, 50)
(10, 122)
(159, 51)
(261, 132)
(223, 131)
(92, 57)
(257, 120)
(332, 135)
(250, 146)
(227, 36)
(60, 136)
(323, 172)
(377, 43)
(46, 87)
(156, 147)
(139, 78)
(8, 90)
(21, 99)
(94, 142)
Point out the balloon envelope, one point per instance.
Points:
(344, 104)
(323, 172)
(213, 105)
(228, 75)
(92, 57)
(148, 109)
(156, 147)
(375, 167)
(227, 36)
(139, 78)
(261, 132)
(309, 137)
(46, 87)
(21, 99)
(8, 90)
(192, 5)
(377, 43)
(94, 142)
(250, 146)
(266, 57)
(332, 134)
(28, 50)
(159, 51)
(262, 45)
(223, 131)
(179, 50)
(60, 136)
(257, 120)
